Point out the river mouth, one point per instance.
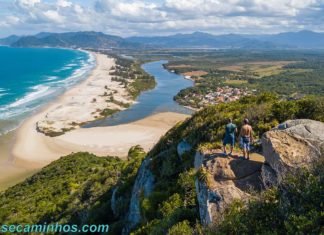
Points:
(158, 100)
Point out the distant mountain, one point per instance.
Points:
(302, 39)
(43, 34)
(9, 40)
(201, 40)
(75, 40)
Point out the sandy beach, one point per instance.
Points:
(28, 150)
(35, 147)
(86, 101)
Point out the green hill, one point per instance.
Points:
(75, 40)
(78, 188)
(74, 189)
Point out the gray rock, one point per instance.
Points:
(228, 179)
(199, 158)
(183, 147)
(268, 176)
(143, 185)
(310, 130)
(113, 203)
(296, 145)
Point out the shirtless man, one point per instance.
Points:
(246, 137)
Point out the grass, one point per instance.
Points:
(267, 71)
(235, 82)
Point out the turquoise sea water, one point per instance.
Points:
(30, 77)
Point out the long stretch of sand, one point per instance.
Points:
(32, 150)
(35, 147)
(86, 101)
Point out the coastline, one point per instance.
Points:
(53, 83)
(87, 101)
(30, 150)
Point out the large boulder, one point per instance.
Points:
(293, 144)
(228, 179)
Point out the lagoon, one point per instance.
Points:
(158, 100)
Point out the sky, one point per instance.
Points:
(160, 17)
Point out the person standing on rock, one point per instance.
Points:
(246, 138)
(229, 138)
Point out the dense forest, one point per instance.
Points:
(78, 188)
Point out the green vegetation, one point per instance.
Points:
(74, 189)
(295, 207)
(290, 74)
(130, 74)
(172, 206)
(79, 188)
(62, 191)
(108, 112)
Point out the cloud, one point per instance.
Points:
(133, 11)
(138, 17)
(28, 2)
(54, 16)
(64, 3)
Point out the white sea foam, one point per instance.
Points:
(37, 92)
(42, 93)
(71, 65)
(27, 103)
(51, 78)
(3, 94)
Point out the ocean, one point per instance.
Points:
(31, 77)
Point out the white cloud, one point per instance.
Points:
(12, 20)
(28, 2)
(78, 9)
(54, 16)
(134, 11)
(64, 3)
(129, 17)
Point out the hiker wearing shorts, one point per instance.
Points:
(246, 138)
(229, 138)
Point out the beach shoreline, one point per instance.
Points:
(30, 149)
(88, 101)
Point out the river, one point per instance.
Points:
(160, 99)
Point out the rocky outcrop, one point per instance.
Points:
(113, 202)
(183, 147)
(293, 144)
(228, 179)
(143, 186)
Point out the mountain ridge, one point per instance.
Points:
(84, 39)
(89, 39)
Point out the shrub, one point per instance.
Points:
(181, 228)
(295, 207)
(168, 207)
